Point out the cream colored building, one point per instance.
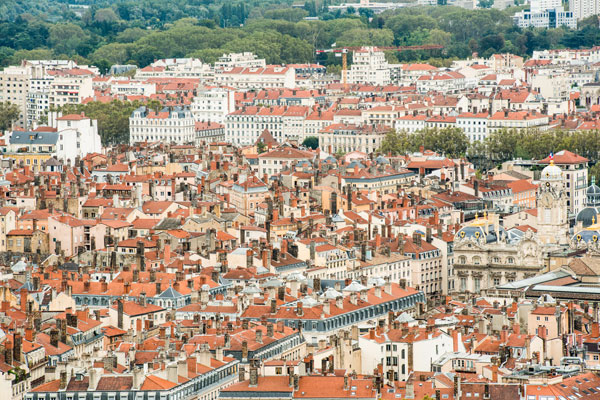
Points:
(485, 256)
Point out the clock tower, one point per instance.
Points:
(553, 226)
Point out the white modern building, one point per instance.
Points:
(77, 135)
(70, 86)
(584, 8)
(257, 77)
(246, 60)
(213, 104)
(546, 14)
(177, 68)
(369, 66)
(170, 125)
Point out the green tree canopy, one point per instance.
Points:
(9, 113)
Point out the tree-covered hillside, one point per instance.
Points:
(103, 32)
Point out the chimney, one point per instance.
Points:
(259, 336)
(457, 391)
(17, 347)
(172, 373)
(299, 309)
(167, 254)
(253, 376)
(63, 380)
(23, 299)
(120, 314)
(595, 331)
(244, 350)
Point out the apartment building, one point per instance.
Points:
(426, 264)
(474, 125)
(349, 137)
(177, 68)
(14, 85)
(257, 77)
(272, 162)
(517, 120)
(70, 86)
(245, 125)
(246, 60)
(170, 125)
(369, 66)
(213, 104)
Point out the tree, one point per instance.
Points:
(594, 172)
(67, 38)
(261, 147)
(311, 142)
(9, 113)
(395, 143)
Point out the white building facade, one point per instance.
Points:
(170, 125)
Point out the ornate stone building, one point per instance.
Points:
(485, 255)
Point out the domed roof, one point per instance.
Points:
(588, 216)
(592, 194)
(593, 189)
(551, 173)
(477, 229)
(588, 234)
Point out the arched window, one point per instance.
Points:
(476, 260)
(462, 260)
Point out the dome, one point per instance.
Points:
(477, 229)
(593, 189)
(592, 194)
(588, 216)
(551, 173)
(588, 234)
